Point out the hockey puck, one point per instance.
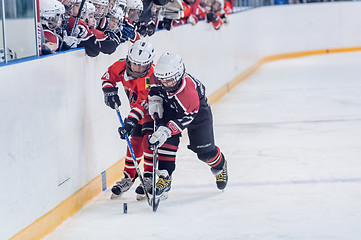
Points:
(125, 207)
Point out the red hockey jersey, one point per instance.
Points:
(136, 89)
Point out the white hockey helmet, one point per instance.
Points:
(116, 16)
(170, 67)
(122, 4)
(117, 13)
(221, 4)
(100, 2)
(101, 8)
(135, 4)
(140, 53)
(51, 12)
(10, 54)
(87, 9)
(134, 10)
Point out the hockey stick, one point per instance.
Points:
(133, 156)
(155, 202)
(158, 18)
(75, 24)
(77, 18)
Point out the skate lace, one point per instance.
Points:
(162, 183)
(124, 183)
(222, 176)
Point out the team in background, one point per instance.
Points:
(105, 24)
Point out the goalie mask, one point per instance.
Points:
(140, 59)
(170, 70)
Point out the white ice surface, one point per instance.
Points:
(292, 136)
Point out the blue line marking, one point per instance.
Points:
(104, 180)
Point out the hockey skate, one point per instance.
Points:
(221, 176)
(122, 186)
(163, 185)
(148, 179)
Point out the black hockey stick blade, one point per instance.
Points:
(156, 204)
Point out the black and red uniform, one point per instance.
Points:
(137, 91)
(187, 107)
(89, 42)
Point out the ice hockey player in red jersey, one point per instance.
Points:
(180, 102)
(133, 73)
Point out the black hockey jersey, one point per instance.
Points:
(186, 107)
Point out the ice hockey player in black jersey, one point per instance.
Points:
(179, 100)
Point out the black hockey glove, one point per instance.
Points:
(114, 36)
(142, 28)
(151, 28)
(129, 124)
(166, 23)
(211, 16)
(111, 96)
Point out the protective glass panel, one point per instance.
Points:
(1, 35)
(20, 29)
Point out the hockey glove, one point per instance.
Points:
(71, 42)
(155, 106)
(211, 16)
(113, 36)
(151, 28)
(160, 136)
(193, 19)
(167, 23)
(129, 124)
(127, 32)
(80, 31)
(111, 96)
(142, 28)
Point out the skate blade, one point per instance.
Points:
(164, 196)
(140, 197)
(114, 196)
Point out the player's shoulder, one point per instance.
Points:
(190, 85)
(187, 93)
(119, 66)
